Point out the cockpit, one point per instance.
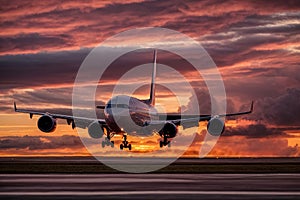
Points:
(110, 105)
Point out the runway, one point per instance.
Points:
(150, 186)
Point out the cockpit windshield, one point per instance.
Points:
(117, 106)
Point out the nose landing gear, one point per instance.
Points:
(125, 143)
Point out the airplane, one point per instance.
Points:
(142, 112)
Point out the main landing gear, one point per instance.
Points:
(107, 141)
(125, 143)
(164, 142)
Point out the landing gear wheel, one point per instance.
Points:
(125, 143)
(164, 142)
(107, 142)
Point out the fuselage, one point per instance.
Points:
(128, 114)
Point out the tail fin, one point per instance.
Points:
(152, 89)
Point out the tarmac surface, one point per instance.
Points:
(150, 186)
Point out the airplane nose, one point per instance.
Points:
(119, 113)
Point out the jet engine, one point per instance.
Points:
(95, 130)
(169, 130)
(215, 126)
(46, 123)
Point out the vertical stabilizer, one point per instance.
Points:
(152, 89)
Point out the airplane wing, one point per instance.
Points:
(83, 121)
(179, 119)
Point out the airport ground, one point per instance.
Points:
(85, 178)
(67, 165)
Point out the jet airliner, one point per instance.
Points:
(121, 110)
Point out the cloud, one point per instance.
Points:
(216, 8)
(41, 69)
(240, 146)
(31, 42)
(32, 143)
(247, 141)
(254, 44)
(47, 78)
(253, 131)
(52, 25)
(280, 110)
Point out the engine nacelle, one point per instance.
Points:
(215, 127)
(169, 130)
(46, 123)
(95, 130)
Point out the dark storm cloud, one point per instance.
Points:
(62, 96)
(144, 56)
(253, 131)
(250, 141)
(248, 85)
(200, 99)
(280, 110)
(243, 48)
(57, 69)
(275, 107)
(240, 42)
(197, 26)
(51, 75)
(33, 41)
(21, 71)
(86, 24)
(37, 142)
(84, 27)
(40, 69)
(253, 147)
(57, 100)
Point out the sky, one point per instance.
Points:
(254, 44)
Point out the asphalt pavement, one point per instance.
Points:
(150, 186)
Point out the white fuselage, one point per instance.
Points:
(128, 114)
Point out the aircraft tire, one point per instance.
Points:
(161, 144)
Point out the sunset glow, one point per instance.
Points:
(255, 45)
